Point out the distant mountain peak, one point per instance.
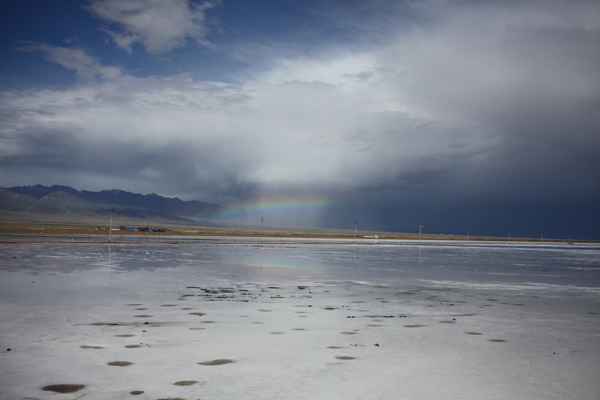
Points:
(69, 200)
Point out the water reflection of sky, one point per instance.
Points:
(374, 260)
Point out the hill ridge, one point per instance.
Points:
(59, 200)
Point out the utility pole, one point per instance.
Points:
(262, 219)
(112, 211)
(355, 223)
(420, 227)
(468, 237)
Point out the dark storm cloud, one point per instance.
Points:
(472, 113)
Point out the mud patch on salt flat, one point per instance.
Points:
(92, 347)
(497, 340)
(219, 361)
(120, 363)
(63, 388)
(473, 333)
(185, 383)
(414, 326)
(345, 358)
(136, 392)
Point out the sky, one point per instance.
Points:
(454, 115)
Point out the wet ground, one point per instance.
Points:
(211, 318)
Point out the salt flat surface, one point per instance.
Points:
(227, 318)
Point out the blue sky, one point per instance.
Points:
(449, 114)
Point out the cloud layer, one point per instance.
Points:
(494, 102)
(158, 25)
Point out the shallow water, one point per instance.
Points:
(297, 319)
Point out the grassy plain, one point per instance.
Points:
(200, 230)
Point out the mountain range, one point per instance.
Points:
(64, 204)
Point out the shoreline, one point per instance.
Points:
(32, 228)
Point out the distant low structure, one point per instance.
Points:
(147, 229)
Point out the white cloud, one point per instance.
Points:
(464, 107)
(75, 59)
(158, 25)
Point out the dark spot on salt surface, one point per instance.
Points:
(265, 310)
(334, 347)
(120, 363)
(63, 388)
(348, 333)
(345, 358)
(91, 347)
(447, 322)
(126, 335)
(134, 304)
(414, 326)
(473, 333)
(497, 340)
(374, 325)
(208, 322)
(197, 329)
(187, 308)
(132, 346)
(171, 398)
(197, 313)
(185, 383)
(298, 329)
(140, 309)
(276, 333)
(168, 305)
(143, 316)
(219, 361)
(136, 392)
